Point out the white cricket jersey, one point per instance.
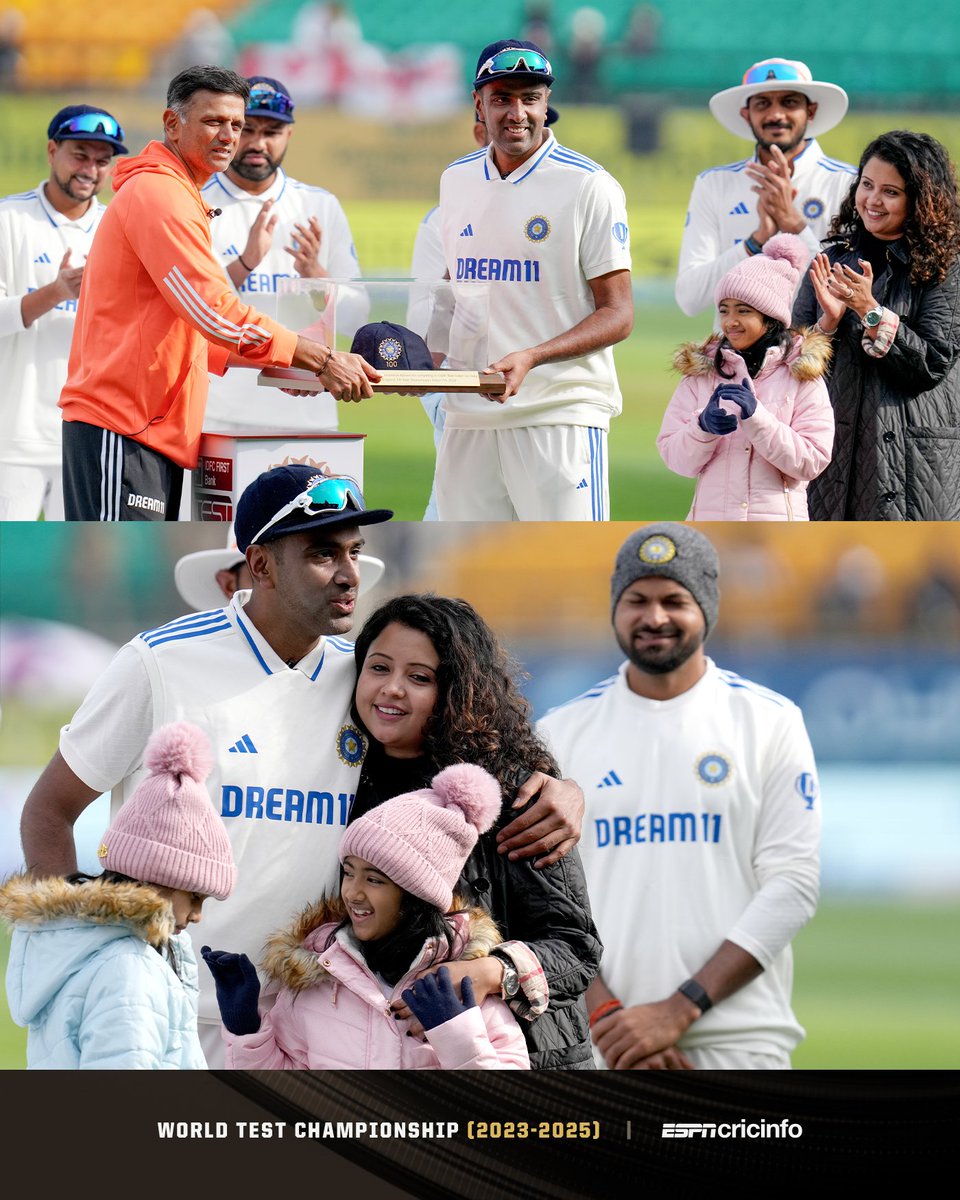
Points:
(702, 824)
(427, 264)
(556, 222)
(287, 758)
(723, 213)
(33, 362)
(236, 403)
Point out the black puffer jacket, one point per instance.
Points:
(896, 454)
(547, 909)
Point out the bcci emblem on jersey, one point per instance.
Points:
(537, 229)
(812, 208)
(350, 745)
(621, 232)
(657, 550)
(713, 769)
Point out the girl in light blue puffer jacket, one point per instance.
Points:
(98, 971)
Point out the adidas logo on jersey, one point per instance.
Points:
(43, 258)
(244, 746)
(611, 779)
(582, 484)
(231, 252)
(467, 231)
(740, 211)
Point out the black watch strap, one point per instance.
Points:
(693, 991)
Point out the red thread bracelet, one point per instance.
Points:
(604, 1010)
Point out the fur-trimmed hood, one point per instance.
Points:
(140, 909)
(292, 956)
(808, 357)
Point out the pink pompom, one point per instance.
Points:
(180, 749)
(790, 248)
(471, 789)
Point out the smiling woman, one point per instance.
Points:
(886, 287)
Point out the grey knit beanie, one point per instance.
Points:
(677, 552)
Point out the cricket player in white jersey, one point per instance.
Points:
(271, 227)
(788, 185)
(548, 228)
(702, 827)
(270, 679)
(45, 235)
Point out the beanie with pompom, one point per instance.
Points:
(168, 833)
(421, 840)
(768, 282)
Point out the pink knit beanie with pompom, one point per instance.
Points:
(422, 839)
(768, 282)
(168, 832)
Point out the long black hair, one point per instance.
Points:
(931, 232)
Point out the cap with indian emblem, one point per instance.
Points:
(673, 551)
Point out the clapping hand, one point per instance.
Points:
(433, 999)
(238, 989)
(713, 419)
(738, 393)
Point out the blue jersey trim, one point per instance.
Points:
(597, 690)
(734, 166)
(183, 634)
(732, 680)
(253, 645)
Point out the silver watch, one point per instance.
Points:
(872, 318)
(510, 984)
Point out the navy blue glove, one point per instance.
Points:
(433, 998)
(714, 420)
(740, 394)
(238, 989)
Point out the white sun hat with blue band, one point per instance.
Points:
(780, 75)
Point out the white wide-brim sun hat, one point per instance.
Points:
(195, 576)
(780, 75)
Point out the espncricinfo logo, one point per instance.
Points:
(732, 1129)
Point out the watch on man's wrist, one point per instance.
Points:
(693, 991)
(872, 318)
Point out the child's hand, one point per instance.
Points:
(714, 420)
(433, 999)
(738, 393)
(238, 989)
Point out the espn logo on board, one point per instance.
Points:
(731, 1129)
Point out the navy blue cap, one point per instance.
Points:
(494, 48)
(272, 100)
(87, 123)
(552, 115)
(390, 347)
(270, 493)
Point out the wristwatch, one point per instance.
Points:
(873, 318)
(693, 991)
(510, 984)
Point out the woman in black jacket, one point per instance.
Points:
(887, 288)
(434, 687)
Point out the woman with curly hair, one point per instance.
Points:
(435, 688)
(886, 287)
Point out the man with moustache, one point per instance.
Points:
(788, 186)
(272, 227)
(45, 237)
(702, 827)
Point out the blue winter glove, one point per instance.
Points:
(714, 420)
(238, 989)
(433, 998)
(740, 394)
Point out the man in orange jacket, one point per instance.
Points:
(156, 314)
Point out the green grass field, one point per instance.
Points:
(875, 987)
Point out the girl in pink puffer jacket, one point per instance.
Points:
(344, 962)
(751, 420)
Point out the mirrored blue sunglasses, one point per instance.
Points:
(91, 123)
(269, 100)
(766, 71)
(333, 494)
(523, 61)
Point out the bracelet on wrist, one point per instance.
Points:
(243, 264)
(604, 1010)
(323, 365)
(752, 245)
(697, 994)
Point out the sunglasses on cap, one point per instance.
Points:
(764, 72)
(524, 61)
(268, 100)
(91, 123)
(331, 495)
